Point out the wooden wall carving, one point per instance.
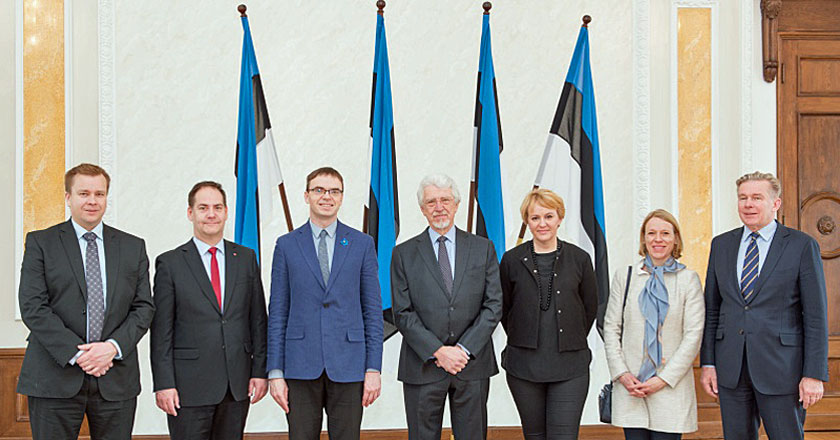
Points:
(787, 16)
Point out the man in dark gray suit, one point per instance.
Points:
(84, 295)
(765, 343)
(208, 335)
(447, 300)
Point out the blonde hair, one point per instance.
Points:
(775, 184)
(544, 197)
(668, 217)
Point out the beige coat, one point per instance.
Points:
(673, 408)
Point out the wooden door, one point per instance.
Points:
(808, 97)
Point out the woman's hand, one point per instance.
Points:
(631, 383)
(651, 386)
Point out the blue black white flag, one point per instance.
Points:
(382, 213)
(257, 169)
(571, 166)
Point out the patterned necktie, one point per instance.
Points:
(443, 262)
(750, 272)
(215, 278)
(95, 296)
(323, 257)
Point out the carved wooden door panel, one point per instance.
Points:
(808, 86)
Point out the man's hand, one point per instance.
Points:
(810, 391)
(257, 387)
(168, 401)
(373, 386)
(279, 392)
(709, 380)
(651, 386)
(452, 359)
(97, 358)
(631, 383)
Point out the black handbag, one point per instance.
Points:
(605, 396)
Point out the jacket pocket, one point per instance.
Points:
(247, 348)
(791, 339)
(719, 333)
(294, 332)
(356, 335)
(185, 353)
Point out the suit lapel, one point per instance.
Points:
(112, 265)
(340, 251)
(231, 268)
(427, 254)
(463, 247)
(193, 261)
(777, 248)
(74, 253)
(307, 250)
(732, 243)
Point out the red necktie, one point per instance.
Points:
(215, 279)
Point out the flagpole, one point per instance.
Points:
(242, 8)
(282, 188)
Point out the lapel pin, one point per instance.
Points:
(344, 242)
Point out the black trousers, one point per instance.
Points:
(309, 398)
(467, 407)
(549, 410)
(222, 421)
(647, 434)
(61, 419)
(741, 407)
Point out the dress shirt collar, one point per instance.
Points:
(766, 233)
(80, 231)
(203, 247)
(450, 235)
(316, 230)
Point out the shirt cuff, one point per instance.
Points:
(275, 374)
(73, 360)
(371, 370)
(708, 366)
(117, 346)
(465, 349)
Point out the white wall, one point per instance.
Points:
(176, 74)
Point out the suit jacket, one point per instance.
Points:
(195, 346)
(53, 305)
(429, 317)
(334, 327)
(782, 326)
(673, 408)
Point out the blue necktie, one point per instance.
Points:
(750, 271)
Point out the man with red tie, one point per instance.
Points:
(209, 330)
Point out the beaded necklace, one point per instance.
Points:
(545, 299)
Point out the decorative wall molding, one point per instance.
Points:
(18, 146)
(68, 89)
(746, 83)
(641, 109)
(107, 102)
(770, 10)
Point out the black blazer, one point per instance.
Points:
(428, 317)
(53, 304)
(782, 325)
(575, 297)
(195, 347)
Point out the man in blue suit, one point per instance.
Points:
(765, 343)
(325, 318)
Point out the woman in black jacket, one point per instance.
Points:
(550, 302)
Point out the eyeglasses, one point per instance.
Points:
(318, 191)
(445, 201)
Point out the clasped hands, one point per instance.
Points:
(637, 388)
(97, 358)
(451, 358)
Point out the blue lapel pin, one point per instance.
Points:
(344, 242)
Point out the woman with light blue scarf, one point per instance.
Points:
(652, 336)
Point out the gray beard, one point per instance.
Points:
(441, 224)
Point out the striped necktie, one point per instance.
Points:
(750, 271)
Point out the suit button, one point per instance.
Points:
(746, 307)
(561, 330)
(223, 346)
(451, 309)
(224, 322)
(451, 335)
(559, 311)
(84, 311)
(326, 305)
(741, 331)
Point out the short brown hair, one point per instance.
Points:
(324, 171)
(668, 217)
(544, 197)
(775, 185)
(206, 184)
(85, 169)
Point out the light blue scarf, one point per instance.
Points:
(653, 302)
